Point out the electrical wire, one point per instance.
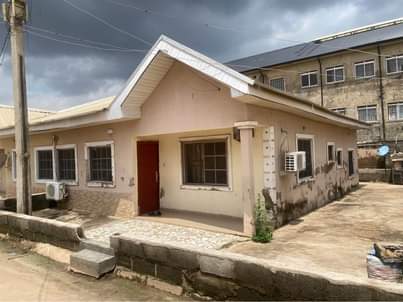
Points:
(79, 39)
(3, 48)
(238, 30)
(122, 31)
(85, 45)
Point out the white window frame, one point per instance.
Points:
(354, 159)
(312, 138)
(14, 164)
(278, 78)
(309, 78)
(366, 107)
(334, 152)
(36, 150)
(101, 184)
(398, 105)
(226, 188)
(334, 68)
(64, 147)
(364, 63)
(397, 57)
(342, 158)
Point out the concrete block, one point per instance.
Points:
(211, 286)
(130, 248)
(156, 253)
(92, 263)
(142, 266)
(166, 287)
(246, 273)
(183, 259)
(215, 265)
(169, 274)
(96, 246)
(127, 274)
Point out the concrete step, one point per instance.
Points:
(97, 246)
(92, 263)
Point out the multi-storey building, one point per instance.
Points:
(358, 73)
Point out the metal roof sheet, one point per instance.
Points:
(319, 47)
(7, 115)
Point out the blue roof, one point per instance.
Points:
(317, 48)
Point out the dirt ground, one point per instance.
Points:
(25, 276)
(335, 239)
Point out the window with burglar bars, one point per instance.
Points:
(44, 164)
(66, 164)
(309, 79)
(100, 163)
(306, 145)
(395, 111)
(335, 74)
(278, 83)
(364, 69)
(205, 163)
(368, 113)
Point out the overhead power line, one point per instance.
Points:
(3, 47)
(236, 30)
(122, 31)
(114, 49)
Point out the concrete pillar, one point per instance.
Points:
(248, 181)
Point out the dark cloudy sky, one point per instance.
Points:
(60, 75)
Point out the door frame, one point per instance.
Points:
(147, 142)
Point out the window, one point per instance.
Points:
(330, 152)
(364, 69)
(351, 168)
(368, 113)
(66, 163)
(309, 79)
(205, 162)
(395, 111)
(44, 164)
(335, 74)
(339, 158)
(14, 164)
(100, 162)
(305, 143)
(340, 110)
(394, 64)
(278, 83)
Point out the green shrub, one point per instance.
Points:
(264, 231)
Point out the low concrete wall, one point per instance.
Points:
(61, 234)
(375, 175)
(228, 276)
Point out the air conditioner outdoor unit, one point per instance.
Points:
(56, 191)
(295, 161)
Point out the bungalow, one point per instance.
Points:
(190, 134)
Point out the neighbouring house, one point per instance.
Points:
(191, 134)
(357, 73)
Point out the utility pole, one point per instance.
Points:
(15, 13)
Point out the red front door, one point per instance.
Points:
(148, 177)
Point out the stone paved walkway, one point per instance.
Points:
(161, 232)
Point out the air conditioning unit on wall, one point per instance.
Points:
(56, 191)
(295, 161)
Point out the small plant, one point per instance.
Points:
(264, 231)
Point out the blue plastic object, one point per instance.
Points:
(383, 150)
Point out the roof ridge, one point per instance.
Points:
(29, 109)
(85, 104)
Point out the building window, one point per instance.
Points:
(309, 79)
(278, 83)
(44, 164)
(66, 159)
(395, 111)
(351, 167)
(305, 144)
(205, 162)
(339, 158)
(100, 160)
(330, 152)
(340, 110)
(335, 74)
(367, 113)
(394, 64)
(365, 69)
(14, 164)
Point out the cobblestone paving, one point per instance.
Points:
(161, 232)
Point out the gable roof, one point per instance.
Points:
(371, 34)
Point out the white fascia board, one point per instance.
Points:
(188, 57)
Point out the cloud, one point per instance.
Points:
(62, 75)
